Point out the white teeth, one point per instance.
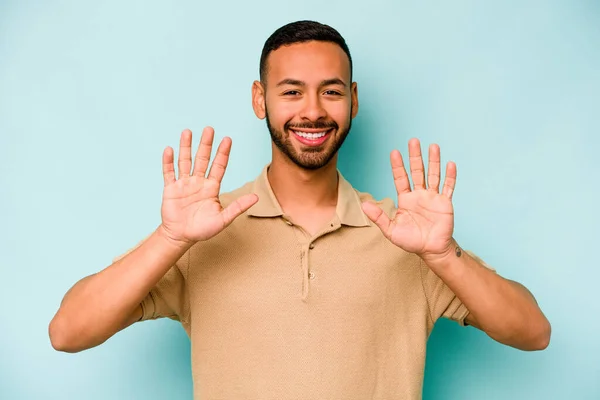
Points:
(312, 136)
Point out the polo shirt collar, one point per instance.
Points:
(348, 207)
(267, 205)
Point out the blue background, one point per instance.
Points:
(90, 94)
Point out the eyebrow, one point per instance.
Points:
(326, 82)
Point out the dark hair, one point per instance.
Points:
(300, 32)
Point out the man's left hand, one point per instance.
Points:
(424, 219)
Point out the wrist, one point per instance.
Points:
(165, 237)
(445, 258)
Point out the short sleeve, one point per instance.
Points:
(169, 297)
(441, 300)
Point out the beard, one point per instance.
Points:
(311, 158)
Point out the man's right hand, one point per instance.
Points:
(191, 210)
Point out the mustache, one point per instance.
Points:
(313, 125)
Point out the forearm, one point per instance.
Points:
(504, 309)
(98, 306)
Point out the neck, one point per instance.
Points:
(297, 188)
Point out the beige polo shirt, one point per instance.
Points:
(274, 313)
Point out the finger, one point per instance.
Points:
(219, 164)
(417, 170)
(399, 172)
(449, 180)
(185, 154)
(238, 207)
(433, 169)
(203, 153)
(380, 219)
(168, 168)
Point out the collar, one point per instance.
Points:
(348, 207)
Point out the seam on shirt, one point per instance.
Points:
(144, 312)
(153, 305)
(461, 320)
(425, 291)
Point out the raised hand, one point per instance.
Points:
(424, 221)
(191, 210)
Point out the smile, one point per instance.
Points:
(311, 137)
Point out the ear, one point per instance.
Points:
(258, 99)
(354, 90)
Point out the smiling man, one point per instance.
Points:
(308, 98)
(297, 286)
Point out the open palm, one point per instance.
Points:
(191, 210)
(424, 221)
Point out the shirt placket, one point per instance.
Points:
(307, 243)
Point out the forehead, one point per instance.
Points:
(309, 61)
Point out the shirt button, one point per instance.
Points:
(311, 246)
(311, 275)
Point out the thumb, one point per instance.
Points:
(238, 207)
(380, 219)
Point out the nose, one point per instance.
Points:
(313, 108)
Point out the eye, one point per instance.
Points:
(332, 93)
(291, 93)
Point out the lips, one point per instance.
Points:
(311, 137)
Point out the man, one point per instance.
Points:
(296, 286)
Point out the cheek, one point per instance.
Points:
(339, 112)
(282, 112)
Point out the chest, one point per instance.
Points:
(354, 270)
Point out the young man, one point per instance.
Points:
(296, 286)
